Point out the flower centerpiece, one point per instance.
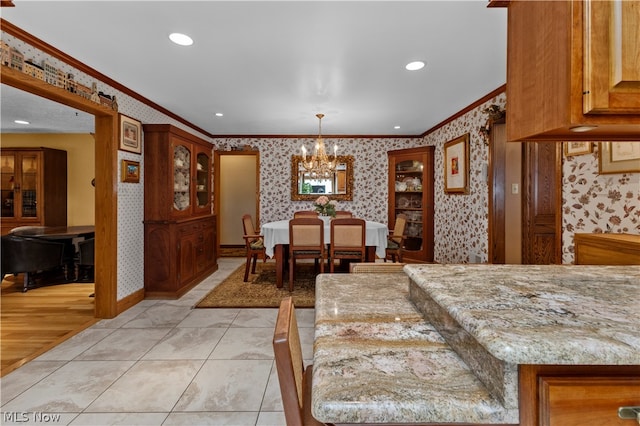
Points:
(325, 207)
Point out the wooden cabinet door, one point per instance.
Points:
(612, 57)
(578, 401)
(206, 248)
(187, 258)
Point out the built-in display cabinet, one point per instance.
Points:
(33, 185)
(411, 194)
(180, 229)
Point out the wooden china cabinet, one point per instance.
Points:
(411, 194)
(34, 187)
(179, 227)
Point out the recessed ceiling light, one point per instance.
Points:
(181, 39)
(414, 66)
(219, 114)
(21, 122)
(396, 127)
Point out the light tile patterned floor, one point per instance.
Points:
(159, 363)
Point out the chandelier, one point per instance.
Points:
(319, 164)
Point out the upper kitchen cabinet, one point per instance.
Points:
(573, 70)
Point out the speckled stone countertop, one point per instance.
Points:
(497, 317)
(377, 360)
(549, 314)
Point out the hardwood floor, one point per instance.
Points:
(31, 323)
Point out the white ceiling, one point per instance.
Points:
(270, 66)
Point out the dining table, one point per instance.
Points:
(276, 239)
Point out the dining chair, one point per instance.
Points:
(306, 241)
(343, 213)
(305, 213)
(395, 241)
(376, 268)
(295, 380)
(254, 243)
(347, 240)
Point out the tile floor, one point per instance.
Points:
(159, 363)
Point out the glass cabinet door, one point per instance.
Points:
(7, 184)
(203, 166)
(29, 184)
(409, 200)
(181, 178)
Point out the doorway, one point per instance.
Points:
(237, 192)
(106, 167)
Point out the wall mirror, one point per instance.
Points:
(339, 186)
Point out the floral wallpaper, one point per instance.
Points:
(370, 173)
(460, 221)
(595, 203)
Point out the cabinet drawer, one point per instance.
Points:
(577, 401)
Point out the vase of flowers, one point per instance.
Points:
(325, 207)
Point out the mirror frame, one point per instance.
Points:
(295, 168)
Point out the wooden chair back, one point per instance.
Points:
(376, 268)
(306, 241)
(306, 234)
(343, 213)
(254, 244)
(395, 241)
(305, 213)
(348, 237)
(399, 227)
(295, 380)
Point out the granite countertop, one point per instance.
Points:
(542, 314)
(377, 360)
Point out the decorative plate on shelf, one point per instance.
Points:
(403, 202)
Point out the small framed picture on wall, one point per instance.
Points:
(130, 171)
(577, 148)
(456, 165)
(130, 135)
(619, 157)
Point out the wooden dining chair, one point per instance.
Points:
(295, 380)
(305, 213)
(376, 268)
(343, 213)
(395, 241)
(347, 240)
(306, 241)
(254, 243)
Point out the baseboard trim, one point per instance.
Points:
(129, 301)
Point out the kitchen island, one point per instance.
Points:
(479, 344)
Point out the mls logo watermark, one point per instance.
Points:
(18, 417)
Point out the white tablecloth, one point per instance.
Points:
(278, 233)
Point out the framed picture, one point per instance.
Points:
(130, 171)
(130, 134)
(456, 165)
(619, 157)
(577, 148)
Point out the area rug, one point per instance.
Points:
(261, 291)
